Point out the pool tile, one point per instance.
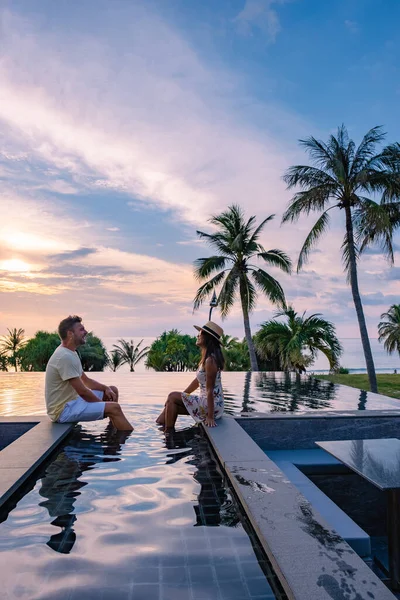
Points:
(233, 590)
(145, 575)
(258, 586)
(175, 575)
(201, 573)
(145, 592)
(176, 593)
(228, 571)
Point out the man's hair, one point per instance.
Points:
(67, 325)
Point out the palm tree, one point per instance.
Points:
(3, 362)
(389, 330)
(11, 344)
(114, 360)
(291, 340)
(228, 341)
(129, 353)
(343, 174)
(236, 242)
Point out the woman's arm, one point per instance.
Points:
(192, 386)
(211, 374)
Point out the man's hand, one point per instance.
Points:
(109, 395)
(210, 422)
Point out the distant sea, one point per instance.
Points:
(352, 357)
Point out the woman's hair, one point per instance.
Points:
(211, 347)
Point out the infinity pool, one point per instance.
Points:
(126, 516)
(138, 516)
(23, 393)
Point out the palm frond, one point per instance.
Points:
(206, 289)
(256, 233)
(389, 330)
(205, 266)
(228, 292)
(269, 286)
(316, 232)
(375, 224)
(307, 177)
(319, 152)
(366, 149)
(314, 199)
(277, 258)
(217, 240)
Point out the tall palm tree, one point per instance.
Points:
(292, 340)
(129, 353)
(12, 343)
(343, 174)
(389, 330)
(237, 243)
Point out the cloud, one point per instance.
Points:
(352, 26)
(167, 132)
(259, 14)
(72, 254)
(379, 299)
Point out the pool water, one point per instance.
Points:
(130, 516)
(141, 516)
(23, 393)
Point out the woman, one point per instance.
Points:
(208, 405)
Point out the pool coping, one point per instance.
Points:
(310, 559)
(24, 455)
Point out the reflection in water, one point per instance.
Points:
(362, 403)
(291, 392)
(61, 483)
(377, 460)
(214, 506)
(23, 393)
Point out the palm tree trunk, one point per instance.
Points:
(249, 339)
(357, 303)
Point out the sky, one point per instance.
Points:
(125, 125)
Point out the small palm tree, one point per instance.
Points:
(228, 342)
(389, 330)
(3, 362)
(292, 340)
(237, 243)
(115, 360)
(344, 174)
(129, 353)
(11, 344)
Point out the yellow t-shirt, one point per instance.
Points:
(63, 365)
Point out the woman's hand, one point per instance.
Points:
(210, 422)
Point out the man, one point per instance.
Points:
(72, 396)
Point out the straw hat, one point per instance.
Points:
(212, 329)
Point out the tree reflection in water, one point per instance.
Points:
(289, 392)
(215, 506)
(61, 482)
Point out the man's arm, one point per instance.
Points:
(82, 390)
(96, 385)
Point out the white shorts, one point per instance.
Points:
(80, 410)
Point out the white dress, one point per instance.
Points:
(197, 405)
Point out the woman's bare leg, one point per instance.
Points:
(174, 407)
(161, 418)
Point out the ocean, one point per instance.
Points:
(352, 357)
